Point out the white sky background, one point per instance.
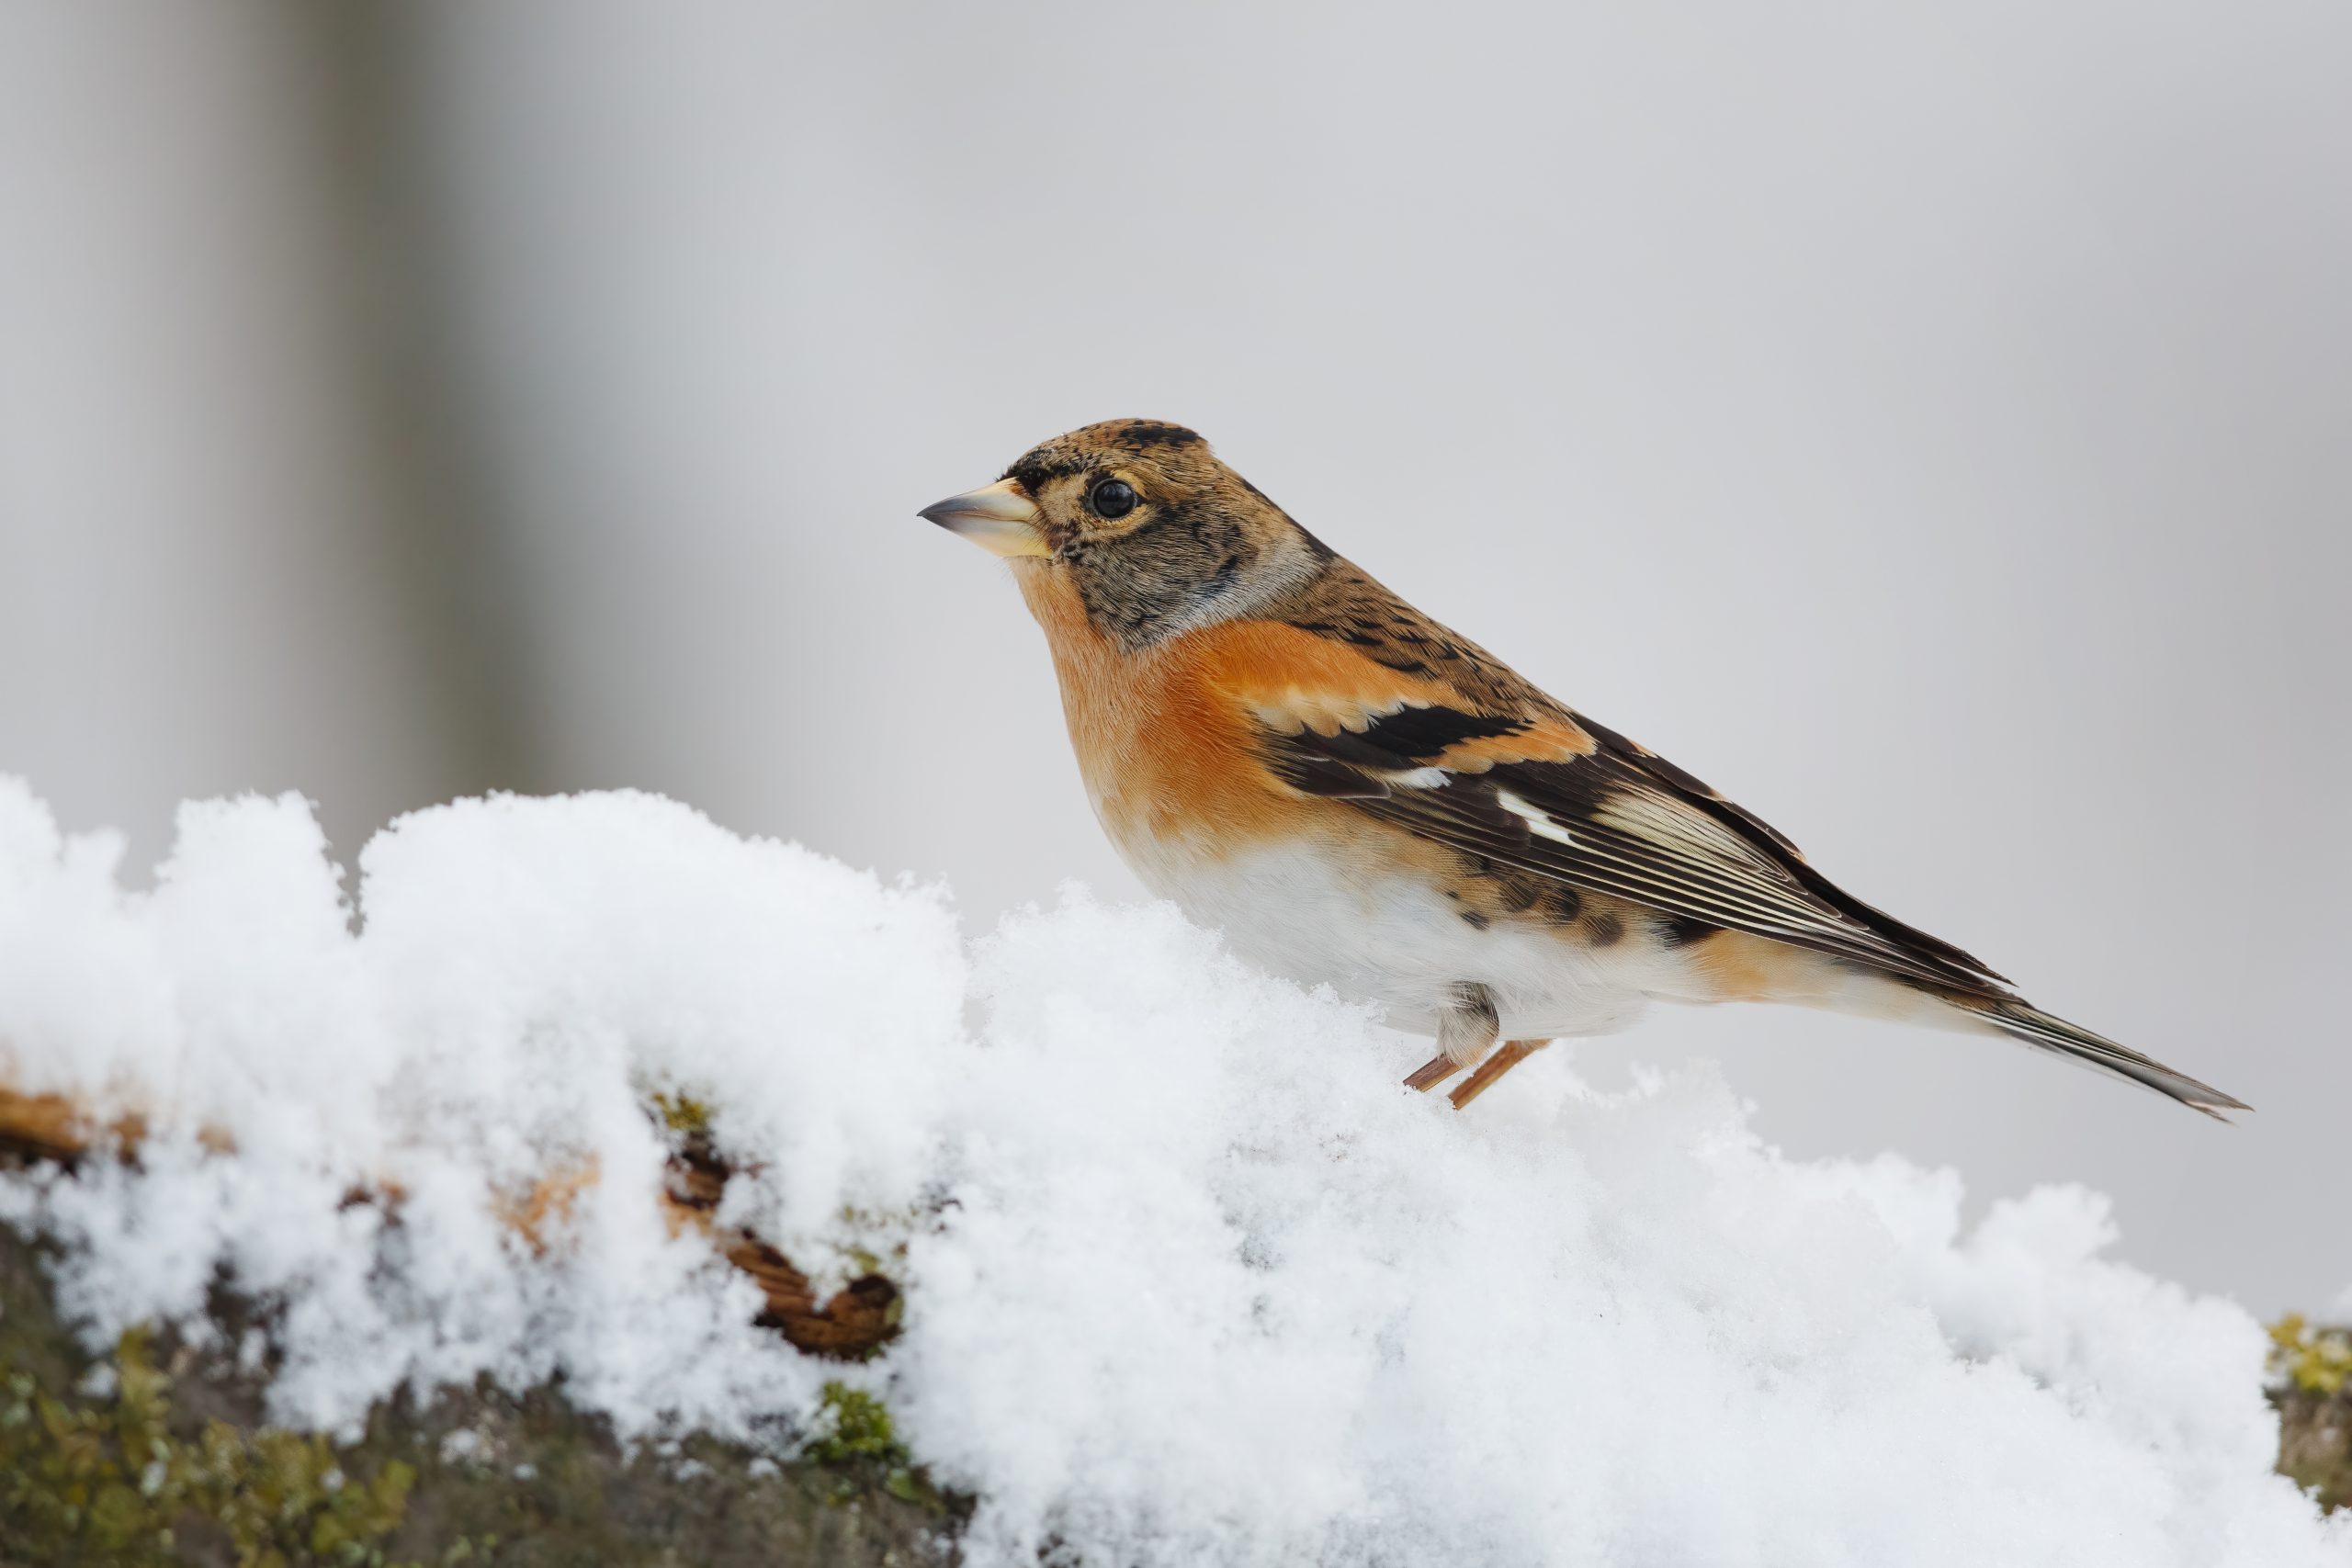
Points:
(1927, 425)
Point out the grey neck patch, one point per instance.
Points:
(1180, 572)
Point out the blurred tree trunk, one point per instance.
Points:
(452, 571)
(239, 511)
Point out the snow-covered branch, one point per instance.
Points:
(1184, 1276)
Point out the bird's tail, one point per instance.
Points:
(2048, 1032)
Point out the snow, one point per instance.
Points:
(1192, 1279)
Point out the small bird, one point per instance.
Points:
(1360, 797)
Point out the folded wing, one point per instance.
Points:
(1611, 817)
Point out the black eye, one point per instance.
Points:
(1112, 498)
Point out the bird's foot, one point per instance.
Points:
(1510, 1054)
(1465, 1031)
(1433, 1072)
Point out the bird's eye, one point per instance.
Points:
(1111, 499)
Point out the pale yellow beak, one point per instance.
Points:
(999, 518)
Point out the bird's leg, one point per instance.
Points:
(1465, 1031)
(1432, 1073)
(1512, 1054)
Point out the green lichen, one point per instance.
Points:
(2315, 1359)
(854, 1424)
(682, 1113)
(855, 1435)
(102, 1479)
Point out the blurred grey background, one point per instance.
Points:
(1929, 423)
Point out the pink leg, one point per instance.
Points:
(1512, 1054)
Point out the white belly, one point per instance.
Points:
(1401, 945)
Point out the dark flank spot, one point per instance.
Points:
(1566, 904)
(1520, 893)
(1681, 931)
(1474, 921)
(1604, 931)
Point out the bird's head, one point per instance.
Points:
(1140, 522)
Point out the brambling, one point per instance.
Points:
(1360, 797)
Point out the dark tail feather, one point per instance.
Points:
(2051, 1032)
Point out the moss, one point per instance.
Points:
(682, 1113)
(2311, 1384)
(2314, 1359)
(854, 1424)
(158, 1453)
(855, 1435)
(106, 1479)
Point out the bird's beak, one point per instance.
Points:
(999, 518)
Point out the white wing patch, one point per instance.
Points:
(1539, 822)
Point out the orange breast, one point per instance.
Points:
(1168, 736)
(1165, 753)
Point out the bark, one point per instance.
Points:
(163, 1456)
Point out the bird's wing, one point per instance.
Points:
(1491, 767)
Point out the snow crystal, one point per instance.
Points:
(1191, 1278)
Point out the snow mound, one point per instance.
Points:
(1191, 1278)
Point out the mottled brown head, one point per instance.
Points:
(1156, 536)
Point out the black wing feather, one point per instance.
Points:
(1620, 821)
(1696, 792)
